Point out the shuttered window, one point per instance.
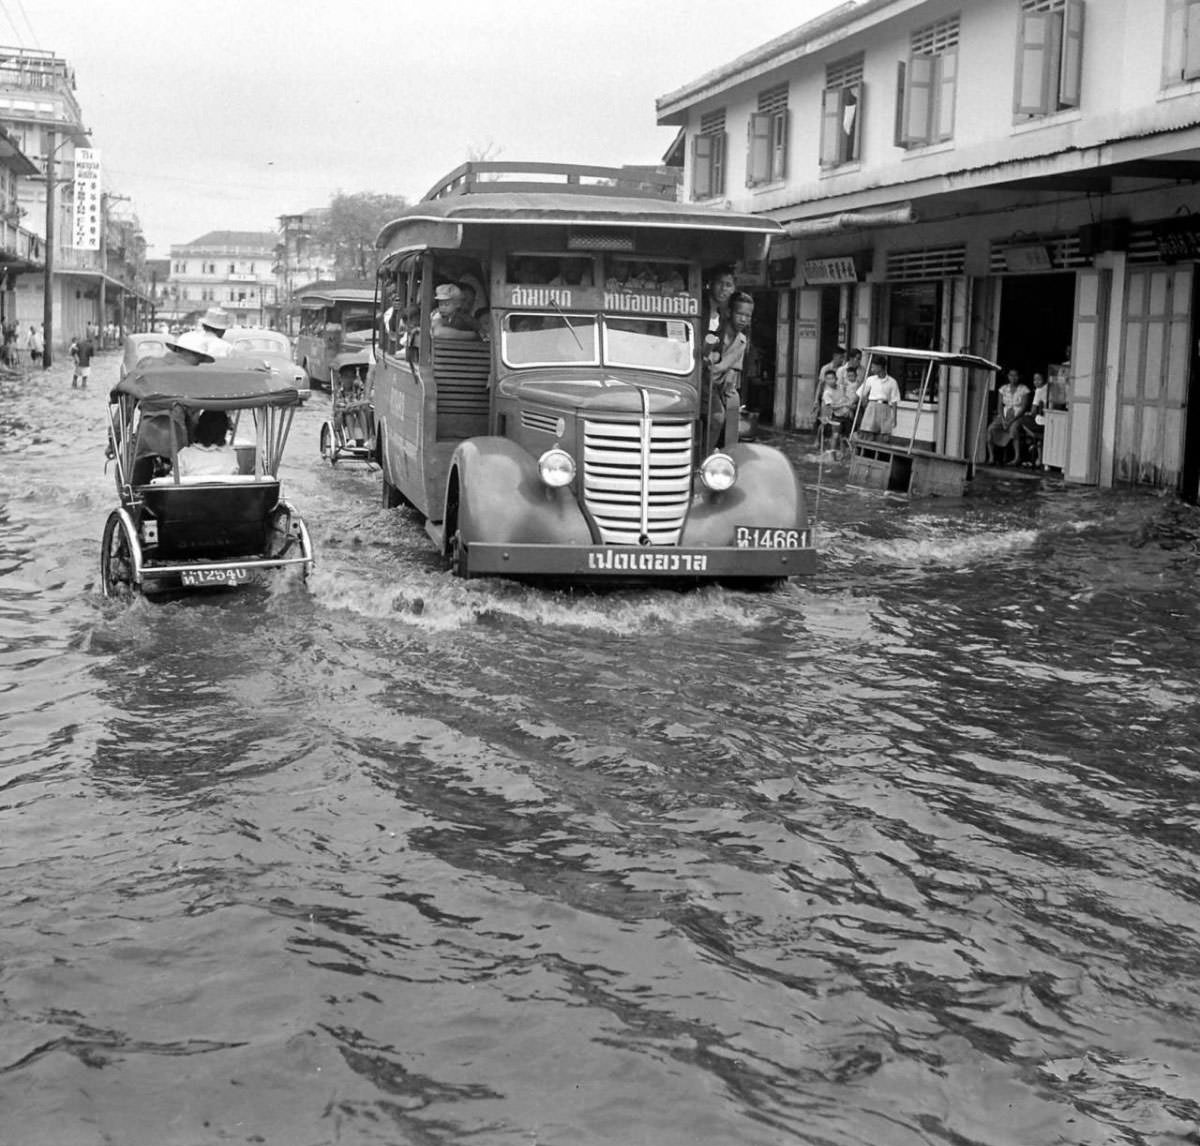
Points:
(841, 112)
(929, 80)
(1181, 56)
(767, 138)
(1049, 57)
(708, 156)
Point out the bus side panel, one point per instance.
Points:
(401, 414)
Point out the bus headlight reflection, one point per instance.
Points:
(556, 468)
(718, 472)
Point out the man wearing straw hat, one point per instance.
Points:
(213, 326)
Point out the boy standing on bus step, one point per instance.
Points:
(725, 371)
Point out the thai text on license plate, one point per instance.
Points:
(762, 537)
(235, 575)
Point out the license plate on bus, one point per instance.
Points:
(193, 578)
(757, 537)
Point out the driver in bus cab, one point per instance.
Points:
(450, 320)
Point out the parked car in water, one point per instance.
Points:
(272, 346)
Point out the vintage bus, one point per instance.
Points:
(557, 429)
(335, 318)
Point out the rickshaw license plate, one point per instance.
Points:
(755, 537)
(236, 575)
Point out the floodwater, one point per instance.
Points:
(906, 853)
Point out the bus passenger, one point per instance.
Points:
(209, 454)
(450, 320)
(725, 371)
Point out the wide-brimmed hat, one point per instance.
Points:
(446, 291)
(192, 342)
(216, 318)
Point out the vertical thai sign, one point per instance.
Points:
(87, 199)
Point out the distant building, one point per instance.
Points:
(230, 269)
(301, 258)
(94, 289)
(1011, 177)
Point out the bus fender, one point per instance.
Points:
(768, 494)
(494, 494)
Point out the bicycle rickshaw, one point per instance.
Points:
(350, 430)
(176, 530)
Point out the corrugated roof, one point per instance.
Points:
(790, 44)
(264, 240)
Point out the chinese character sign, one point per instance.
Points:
(87, 199)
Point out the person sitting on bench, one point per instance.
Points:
(209, 454)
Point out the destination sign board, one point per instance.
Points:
(620, 300)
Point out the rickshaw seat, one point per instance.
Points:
(212, 518)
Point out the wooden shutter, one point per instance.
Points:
(918, 99)
(901, 87)
(852, 113)
(1175, 49)
(1070, 69)
(758, 149)
(1191, 51)
(1032, 96)
(718, 165)
(831, 126)
(947, 83)
(779, 142)
(702, 166)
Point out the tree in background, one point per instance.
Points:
(353, 223)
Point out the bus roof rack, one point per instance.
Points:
(630, 182)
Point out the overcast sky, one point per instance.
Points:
(225, 115)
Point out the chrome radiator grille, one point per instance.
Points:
(637, 479)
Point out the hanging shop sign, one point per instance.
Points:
(86, 220)
(1177, 238)
(819, 272)
(1023, 260)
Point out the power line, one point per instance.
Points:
(25, 17)
(12, 24)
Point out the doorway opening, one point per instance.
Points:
(1037, 315)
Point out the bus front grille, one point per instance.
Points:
(637, 479)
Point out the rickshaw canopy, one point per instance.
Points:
(936, 357)
(157, 385)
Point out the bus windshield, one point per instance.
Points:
(572, 339)
(551, 340)
(649, 344)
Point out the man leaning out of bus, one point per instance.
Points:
(450, 320)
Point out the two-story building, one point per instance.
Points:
(1016, 177)
(229, 269)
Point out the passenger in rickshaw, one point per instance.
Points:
(210, 453)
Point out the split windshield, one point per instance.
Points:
(577, 339)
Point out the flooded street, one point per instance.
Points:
(903, 854)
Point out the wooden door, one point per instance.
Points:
(1155, 361)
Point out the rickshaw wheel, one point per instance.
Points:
(116, 560)
(327, 443)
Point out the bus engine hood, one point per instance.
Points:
(601, 392)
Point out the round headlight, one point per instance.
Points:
(718, 471)
(556, 468)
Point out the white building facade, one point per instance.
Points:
(1015, 177)
(233, 270)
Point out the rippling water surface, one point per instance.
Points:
(903, 854)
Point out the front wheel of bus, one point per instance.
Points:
(456, 555)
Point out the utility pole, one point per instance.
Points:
(48, 280)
